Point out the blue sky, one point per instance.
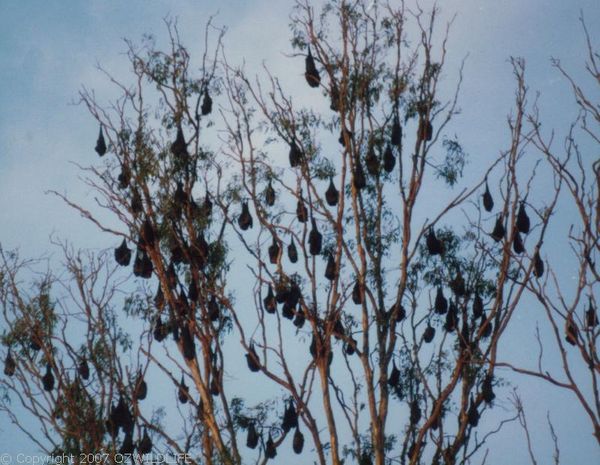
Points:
(49, 49)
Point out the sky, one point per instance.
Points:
(49, 49)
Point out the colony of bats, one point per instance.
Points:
(287, 292)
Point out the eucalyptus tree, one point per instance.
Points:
(400, 298)
(568, 300)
